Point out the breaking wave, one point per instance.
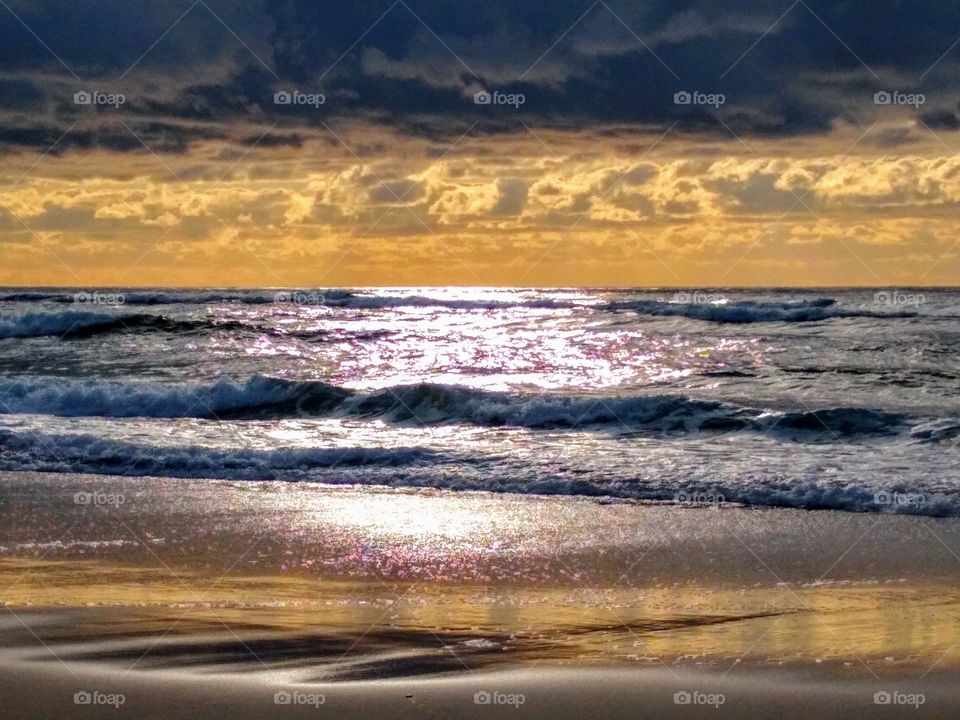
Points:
(417, 467)
(73, 324)
(425, 403)
(90, 454)
(754, 311)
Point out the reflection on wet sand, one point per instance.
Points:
(155, 617)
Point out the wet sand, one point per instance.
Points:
(210, 597)
(47, 692)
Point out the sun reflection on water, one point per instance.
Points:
(490, 342)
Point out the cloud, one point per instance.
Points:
(397, 191)
(414, 67)
(513, 197)
(799, 158)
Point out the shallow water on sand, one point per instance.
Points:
(451, 579)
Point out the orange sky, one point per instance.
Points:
(358, 206)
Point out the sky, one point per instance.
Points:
(695, 143)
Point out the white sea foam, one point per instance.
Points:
(426, 403)
(481, 471)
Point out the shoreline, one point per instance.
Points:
(407, 534)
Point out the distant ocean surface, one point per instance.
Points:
(841, 399)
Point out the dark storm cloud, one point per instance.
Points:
(941, 120)
(211, 70)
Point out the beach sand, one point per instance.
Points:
(46, 692)
(207, 598)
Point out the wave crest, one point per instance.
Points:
(426, 403)
(420, 467)
(87, 453)
(748, 311)
(74, 324)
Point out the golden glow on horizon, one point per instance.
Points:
(546, 210)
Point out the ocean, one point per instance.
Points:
(816, 399)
